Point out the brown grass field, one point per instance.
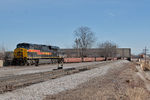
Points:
(120, 84)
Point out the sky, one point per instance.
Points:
(125, 22)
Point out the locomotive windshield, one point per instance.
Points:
(26, 46)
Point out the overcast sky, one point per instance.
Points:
(125, 22)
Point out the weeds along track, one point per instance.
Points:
(11, 83)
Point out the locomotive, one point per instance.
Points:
(29, 54)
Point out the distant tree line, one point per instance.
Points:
(109, 49)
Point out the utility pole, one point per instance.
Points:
(145, 53)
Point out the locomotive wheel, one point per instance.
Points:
(37, 62)
(28, 62)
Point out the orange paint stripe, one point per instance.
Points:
(39, 52)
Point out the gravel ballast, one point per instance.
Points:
(40, 90)
(19, 70)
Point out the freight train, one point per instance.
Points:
(30, 54)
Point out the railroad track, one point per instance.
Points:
(11, 83)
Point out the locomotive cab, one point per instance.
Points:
(21, 51)
(20, 54)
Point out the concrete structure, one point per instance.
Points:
(124, 52)
(96, 52)
(1, 63)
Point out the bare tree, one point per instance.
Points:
(84, 40)
(2, 52)
(108, 49)
(76, 46)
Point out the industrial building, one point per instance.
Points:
(96, 52)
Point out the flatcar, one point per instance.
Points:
(29, 54)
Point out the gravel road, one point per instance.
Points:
(40, 90)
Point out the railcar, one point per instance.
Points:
(29, 54)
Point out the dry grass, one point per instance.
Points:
(145, 65)
(137, 93)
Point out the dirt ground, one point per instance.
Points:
(120, 84)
